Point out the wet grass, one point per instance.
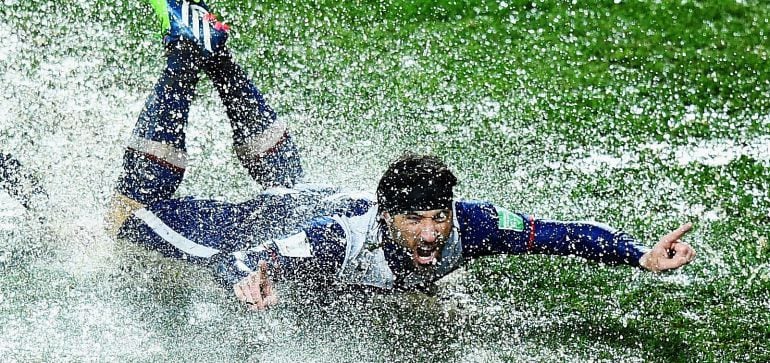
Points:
(502, 90)
(589, 75)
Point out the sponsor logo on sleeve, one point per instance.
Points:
(509, 220)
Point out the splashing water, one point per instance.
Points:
(68, 292)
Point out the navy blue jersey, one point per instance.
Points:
(323, 234)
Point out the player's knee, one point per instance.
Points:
(119, 210)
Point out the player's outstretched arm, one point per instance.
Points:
(670, 253)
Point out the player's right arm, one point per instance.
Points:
(313, 255)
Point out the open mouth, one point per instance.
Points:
(425, 255)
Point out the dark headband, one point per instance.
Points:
(417, 198)
(416, 183)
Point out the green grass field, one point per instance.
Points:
(640, 114)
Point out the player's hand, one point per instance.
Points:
(670, 253)
(256, 289)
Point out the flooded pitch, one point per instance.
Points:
(69, 292)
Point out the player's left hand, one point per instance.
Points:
(256, 289)
(670, 253)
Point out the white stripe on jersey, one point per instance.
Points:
(294, 246)
(174, 238)
(185, 13)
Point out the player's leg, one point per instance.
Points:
(197, 229)
(262, 142)
(186, 228)
(156, 154)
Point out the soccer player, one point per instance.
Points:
(412, 233)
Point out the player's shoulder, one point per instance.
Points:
(475, 213)
(473, 206)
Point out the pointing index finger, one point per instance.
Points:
(674, 235)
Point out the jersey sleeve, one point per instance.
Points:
(314, 254)
(487, 229)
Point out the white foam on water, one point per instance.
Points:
(488, 108)
(75, 331)
(9, 207)
(203, 313)
(408, 61)
(722, 152)
(713, 152)
(597, 160)
(64, 128)
(689, 209)
(11, 45)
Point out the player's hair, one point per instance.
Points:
(415, 183)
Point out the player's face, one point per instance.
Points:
(424, 233)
